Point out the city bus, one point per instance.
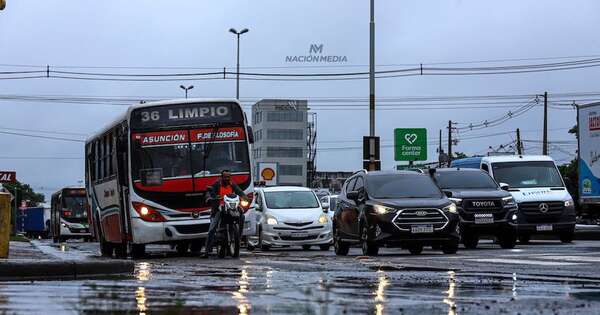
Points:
(147, 173)
(69, 213)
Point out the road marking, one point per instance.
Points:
(572, 258)
(524, 262)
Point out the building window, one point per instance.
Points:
(284, 152)
(285, 134)
(286, 116)
(290, 170)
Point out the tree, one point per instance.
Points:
(24, 192)
(570, 171)
(460, 155)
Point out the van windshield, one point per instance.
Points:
(527, 174)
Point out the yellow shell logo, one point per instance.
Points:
(267, 173)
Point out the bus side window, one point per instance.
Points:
(485, 168)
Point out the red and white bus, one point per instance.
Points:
(147, 173)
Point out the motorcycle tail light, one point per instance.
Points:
(148, 213)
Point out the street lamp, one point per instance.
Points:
(234, 31)
(186, 89)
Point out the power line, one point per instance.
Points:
(41, 137)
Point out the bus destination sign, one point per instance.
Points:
(183, 114)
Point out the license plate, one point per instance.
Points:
(544, 227)
(484, 218)
(299, 234)
(421, 229)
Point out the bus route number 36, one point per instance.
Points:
(148, 116)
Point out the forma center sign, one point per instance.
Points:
(410, 144)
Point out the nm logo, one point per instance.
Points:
(316, 49)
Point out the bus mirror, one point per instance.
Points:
(250, 134)
(122, 144)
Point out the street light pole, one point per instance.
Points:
(186, 89)
(237, 79)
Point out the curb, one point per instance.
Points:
(62, 269)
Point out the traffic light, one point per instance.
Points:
(2, 4)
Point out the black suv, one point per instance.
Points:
(394, 209)
(484, 208)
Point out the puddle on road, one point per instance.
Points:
(210, 288)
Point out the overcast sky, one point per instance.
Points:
(194, 34)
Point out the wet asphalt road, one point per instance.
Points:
(545, 277)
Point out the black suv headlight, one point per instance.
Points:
(379, 209)
(508, 201)
(451, 208)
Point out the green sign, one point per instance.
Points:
(410, 144)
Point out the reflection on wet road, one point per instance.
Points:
(317, 282)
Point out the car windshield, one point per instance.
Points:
(402, 186)
(527, 174)
(465, 180)
(74, 207)
(291, 200)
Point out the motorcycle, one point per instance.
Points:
(228, 230)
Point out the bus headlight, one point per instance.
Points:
(272, 221)
(451, 208)
(569, 203)
(323, 219)
(244, 203)
(144, 211)
(148, 213)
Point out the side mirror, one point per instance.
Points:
(258, 207)
(325, 206)
(250, 133)
(504, 186)
(352, 195)
(448, 193)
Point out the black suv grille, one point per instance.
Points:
(409, 217)
(481, 205)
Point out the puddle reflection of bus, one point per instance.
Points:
(69, 215)
(147, 173)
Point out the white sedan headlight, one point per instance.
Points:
(451, 208)
(272, 221)
(323, 219)
(379, 209)
(569, 203)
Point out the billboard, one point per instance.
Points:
(8, 177)
(268, 173)
(410, 144)
(589, 152)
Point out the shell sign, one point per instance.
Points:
(268, 173)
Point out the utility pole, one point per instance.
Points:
(449, 142)
(440, 150)
(545, 138)
(519, 147)
(372, 140)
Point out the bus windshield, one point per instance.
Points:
(527, 174)
(74, 207)
(188, 154)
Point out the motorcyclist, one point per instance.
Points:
(224, 186)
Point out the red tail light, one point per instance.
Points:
(148, 213)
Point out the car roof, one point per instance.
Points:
(380, 173)
(457, 169)
(516, 158)
(284, 188)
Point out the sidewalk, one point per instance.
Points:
(38, 261)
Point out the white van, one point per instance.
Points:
(545, 205)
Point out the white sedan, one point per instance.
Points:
(289, 216)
